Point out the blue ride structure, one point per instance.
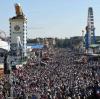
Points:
(90, 37)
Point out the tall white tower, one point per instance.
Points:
(18, 28)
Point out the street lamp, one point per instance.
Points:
(39, 52)
(8, 72)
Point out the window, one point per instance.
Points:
(92, 22)
(91, 16)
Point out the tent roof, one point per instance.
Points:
(36, 46)
(94, 45)
(4, 45)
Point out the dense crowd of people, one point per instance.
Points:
(59, 78)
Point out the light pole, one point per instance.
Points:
(8, 72)
(39, 53)
(82, 38)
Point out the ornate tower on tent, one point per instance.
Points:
(18, 28)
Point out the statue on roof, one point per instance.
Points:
(18, 10)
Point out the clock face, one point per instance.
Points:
(17, 27)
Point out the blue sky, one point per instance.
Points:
(51, 18)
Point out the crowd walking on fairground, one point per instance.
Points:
(59, 78)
